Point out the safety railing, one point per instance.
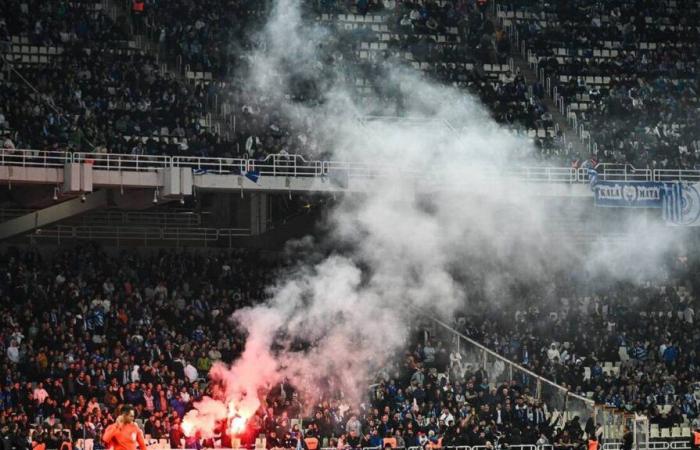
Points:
(34, 158)
(133, 233)
(212, 165)
(652, 445)
(286, 166)
(114, 161)
(450, 447)
(624, 172)
(140, 218)
(679, 445)
(361, 170)
(618, 172)
(297, 166)
(544, 174)
(502, 370)
(677, 175)
(517, 447)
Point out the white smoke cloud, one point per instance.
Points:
(404, 244)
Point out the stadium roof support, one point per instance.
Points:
(54, 213)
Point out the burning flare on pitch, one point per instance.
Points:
(235, 392)
(208, 414)
(237, 419)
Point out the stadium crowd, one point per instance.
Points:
(93, 91)
(85, 331)
(118, 98)
(631, 347)
(628, 70)
(630, 79)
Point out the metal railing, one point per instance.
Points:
(297, 166)
(115, 161)
(140, 218)
(653, 445)
(34, 158)
(272, 165)
(546, 174)
(503, 370)
(622, 172)
(676, 175)
(134, 233)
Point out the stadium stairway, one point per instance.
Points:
(223, 127)
(570, 135)
(117, 8)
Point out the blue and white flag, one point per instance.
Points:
(681, 204)
(672, 203)
(252, 175)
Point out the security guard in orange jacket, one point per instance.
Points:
(592, 443)
(695, 439)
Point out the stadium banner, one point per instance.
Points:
(628, 194)
(681, 204)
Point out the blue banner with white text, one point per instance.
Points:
(628, 194)
(679, 202)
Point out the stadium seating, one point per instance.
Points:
(204, 119)
(625, 70)
(608, 70)
(89, 88)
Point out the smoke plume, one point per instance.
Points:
(440, 209)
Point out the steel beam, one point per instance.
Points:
(54, 213)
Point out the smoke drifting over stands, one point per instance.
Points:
(329, 338)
